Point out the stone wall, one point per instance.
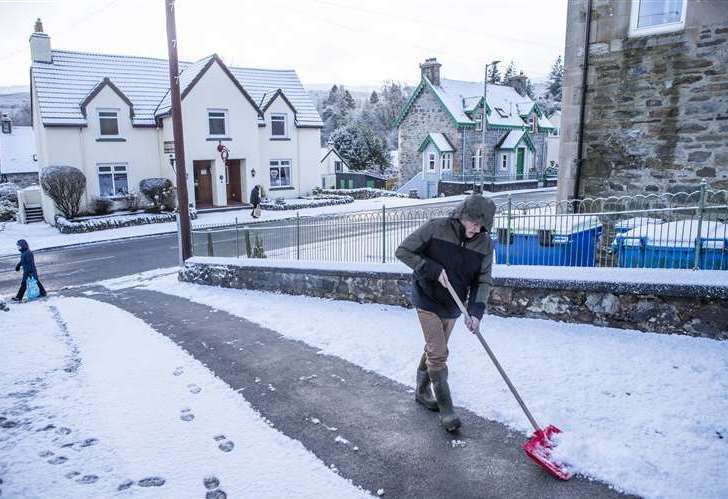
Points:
(22, 180)
(691, 309)
(448, 188)
(425, 116)
(656, 106)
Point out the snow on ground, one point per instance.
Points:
(41, 235)
(93, 399)
(644, 412)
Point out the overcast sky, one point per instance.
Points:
(325, 41)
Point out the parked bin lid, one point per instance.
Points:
(678, 234)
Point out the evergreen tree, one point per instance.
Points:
(360, 147)
(510, 72)
(555, 79)
(494, 75)
(374, 98)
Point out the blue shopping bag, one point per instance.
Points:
(33, 290)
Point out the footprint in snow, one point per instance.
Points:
(216, 494)
(225, 444)
(211, 482)
(63, 430)
(58, 460)
(46, 453)
(178, 371)
(125, 485)
(153, 481)
(72, 474)
(88, 479)
(186, 415)
(193, 388)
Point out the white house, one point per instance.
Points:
(331, 164)
(552, 142)
(18, 161)
(109, 116)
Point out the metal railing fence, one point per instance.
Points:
(684, 230)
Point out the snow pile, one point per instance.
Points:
(678, 234)
(98, 402)
(362, 193)
(92, 224)
(644, 412)
(306, 202)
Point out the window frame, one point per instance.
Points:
(285, 125)
(446, 161)
(431, 161)
(338, 166)
(505, 158)
(477, 159)
(278, 166)
(116, 112)
(224, 118)
(635, 31)
(114, 170)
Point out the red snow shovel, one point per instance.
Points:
(539, 446)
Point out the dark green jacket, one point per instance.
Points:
(441, 244)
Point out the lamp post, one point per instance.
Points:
(484, 124)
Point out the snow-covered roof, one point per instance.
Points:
(325, 151)
(678, 234)
(513, 138)
(507, 108)
(17, 150)
(61, 86)
(439, 140)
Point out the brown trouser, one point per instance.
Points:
(437, 333)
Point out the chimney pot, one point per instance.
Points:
(38, 26)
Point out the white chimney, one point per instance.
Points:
(40, 44)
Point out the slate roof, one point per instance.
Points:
(507, 107)
(513, 138)
(62, 86)
(440, 141)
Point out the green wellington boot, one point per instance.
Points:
(423, 392)
(448, 419)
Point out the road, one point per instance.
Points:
(89, 263)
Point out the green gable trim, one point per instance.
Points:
(408, 105)
(424, 82)
(428, 140)
(524, 138)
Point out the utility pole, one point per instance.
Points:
(185, 233)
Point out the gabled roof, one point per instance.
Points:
(61, 86)
(513, 139)
(106, 82)
(461, 98)
(270, 97)
(439, 140)
(325, 151)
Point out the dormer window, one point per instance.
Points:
(534, 123)
(217, 119)
(278, 126)
(109, 123)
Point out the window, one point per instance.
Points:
(649, 17)
(280, 173)
(446, 161)
(113, 180)
(217, 119)
(109, 123)
(278, 125)
(477, 159)
(338, 167)
(504, 162)
(430, 160)
(534, 123)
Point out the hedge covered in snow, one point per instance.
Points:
(66, 226)
(360, 193)
(8, 202)
(306, 202)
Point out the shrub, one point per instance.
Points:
(9, 192)
(8, 211)
(102, 206)
(65, 185)
(133, 201)
(157, 190)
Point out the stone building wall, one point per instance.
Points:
(425, 116)
(695, 310)
(656, 106)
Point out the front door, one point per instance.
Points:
(519, 163)
(232, 170)
(203, 182)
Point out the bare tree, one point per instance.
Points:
(65, 185)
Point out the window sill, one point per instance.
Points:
(222, 139)
(110, 139)
(280, 138)
(286, 188)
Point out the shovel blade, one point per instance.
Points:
(539, 447)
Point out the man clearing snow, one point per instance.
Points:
(457, 250)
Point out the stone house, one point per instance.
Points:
(655, 97)
(18, 161)
(440, 134)
(110, 116)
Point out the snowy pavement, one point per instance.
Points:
(644, 412)
(43, 236)
(96, 404)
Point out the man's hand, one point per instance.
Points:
(473, 324)
(443, 279)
